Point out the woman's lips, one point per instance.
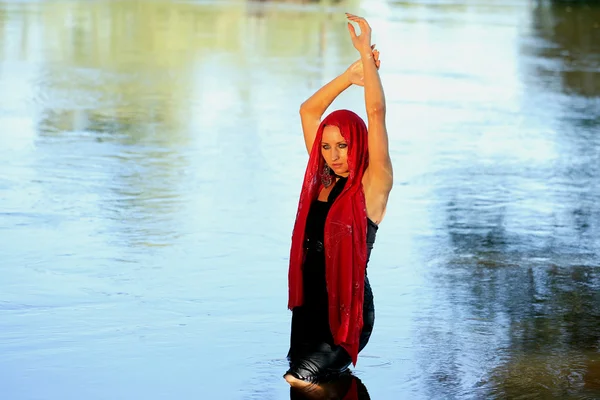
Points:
(336, 165)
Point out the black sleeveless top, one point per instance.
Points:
(315, 222)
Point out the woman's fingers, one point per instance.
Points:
(352, 31)
(352, 15)
(359, 20)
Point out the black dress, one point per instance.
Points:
(313, 356)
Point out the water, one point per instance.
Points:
(152, 156)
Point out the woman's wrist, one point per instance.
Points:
(345, 78)
(366, 55)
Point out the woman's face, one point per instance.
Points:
(335, 150)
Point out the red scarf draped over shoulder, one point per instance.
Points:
(345, 236)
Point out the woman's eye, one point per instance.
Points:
(326, 147)
(343, 145)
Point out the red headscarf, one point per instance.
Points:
(345, 237)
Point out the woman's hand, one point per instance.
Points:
(355, 72)
(361, 42)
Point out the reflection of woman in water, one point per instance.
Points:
(344, 197)
(347, 387)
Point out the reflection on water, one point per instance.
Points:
(518, 291)
(571, 51)
(151, 156)
(554, 335)
(348, 387)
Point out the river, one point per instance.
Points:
(151, 160)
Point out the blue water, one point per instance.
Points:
(151, 159)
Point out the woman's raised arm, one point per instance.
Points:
(315, 106)
(379, 173)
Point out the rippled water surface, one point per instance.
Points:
(151, 159)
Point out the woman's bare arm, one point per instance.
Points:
(315, 106)
(380, 172)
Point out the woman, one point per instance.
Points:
(344, 196)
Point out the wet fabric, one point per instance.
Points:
(345, 232)
(313, 354)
